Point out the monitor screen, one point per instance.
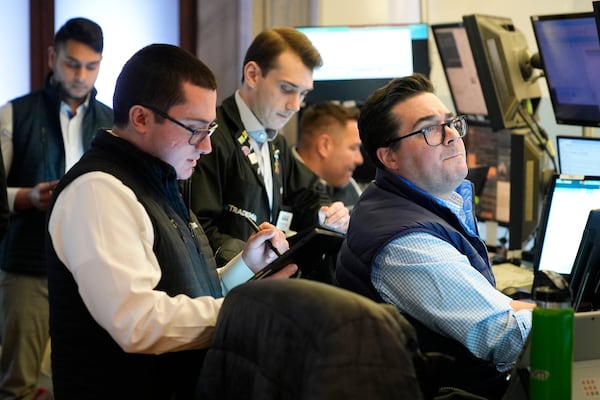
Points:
(570, 54)
(513, 194)
(486, 147)
(358, 59)
(585, 277)
(568, 204)
(578, 155)
(504, 69)
(459, 67)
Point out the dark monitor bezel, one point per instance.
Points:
(585, 276)
(526, 188)
(596, 6)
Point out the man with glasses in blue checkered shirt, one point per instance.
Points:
(413, 239)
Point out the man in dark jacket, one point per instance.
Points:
(251, 171)
(329, 144)
(413, 239)
(43, 134)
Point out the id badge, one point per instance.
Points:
(284, 221)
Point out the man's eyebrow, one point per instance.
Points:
(75, 60)
(289, 83)
(307, 90)
(433, 118)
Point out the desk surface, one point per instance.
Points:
(586, 361)
(510, 275)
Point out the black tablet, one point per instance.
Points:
(307, 249)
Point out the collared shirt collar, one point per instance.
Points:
(251, 123)
(298, 157)
(460, 202)
(66, 109)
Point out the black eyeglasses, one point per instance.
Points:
(198, 134)
(436, 134)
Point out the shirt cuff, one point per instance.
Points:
(234, 273)
(11, 194)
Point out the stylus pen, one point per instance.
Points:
(257, 229)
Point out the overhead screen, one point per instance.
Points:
(359, 59)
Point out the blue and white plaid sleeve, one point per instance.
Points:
(429, 279)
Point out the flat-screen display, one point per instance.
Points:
(513, 194)
(459, 67)
(578, 155)
(566, 210)
(357, 59)
(570, 53)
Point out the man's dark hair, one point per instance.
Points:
(270, 43)
(376, 124)
(155, 76)
(81, 30)
(323, 114)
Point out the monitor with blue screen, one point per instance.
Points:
(570, 53)
(568, 204)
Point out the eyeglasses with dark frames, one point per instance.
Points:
(436, 134)
(197, 134)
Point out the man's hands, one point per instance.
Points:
(257, 254)
(36, 197)
(336, 216)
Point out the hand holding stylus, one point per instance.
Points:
(257, 256)
(256, 228)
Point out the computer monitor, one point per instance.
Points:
(358, 59)
(585, 277)
(596, 5)
(513, 195)
(484, 148)
(526, 187)
(460, 71)
(568, 204)
(504, 69)
(570, 53)
(578, 155)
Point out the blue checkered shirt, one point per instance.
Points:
(429, 279)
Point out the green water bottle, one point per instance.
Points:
(551, 344)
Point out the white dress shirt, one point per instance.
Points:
(104, 236)
(71, 130)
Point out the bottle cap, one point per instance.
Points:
(551, 287)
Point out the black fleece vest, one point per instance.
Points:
(39, 156)
(86, 361)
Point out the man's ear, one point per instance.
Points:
(251, 73)
(51, 57)
(388, 157)
(324, 145)
(138, 118)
